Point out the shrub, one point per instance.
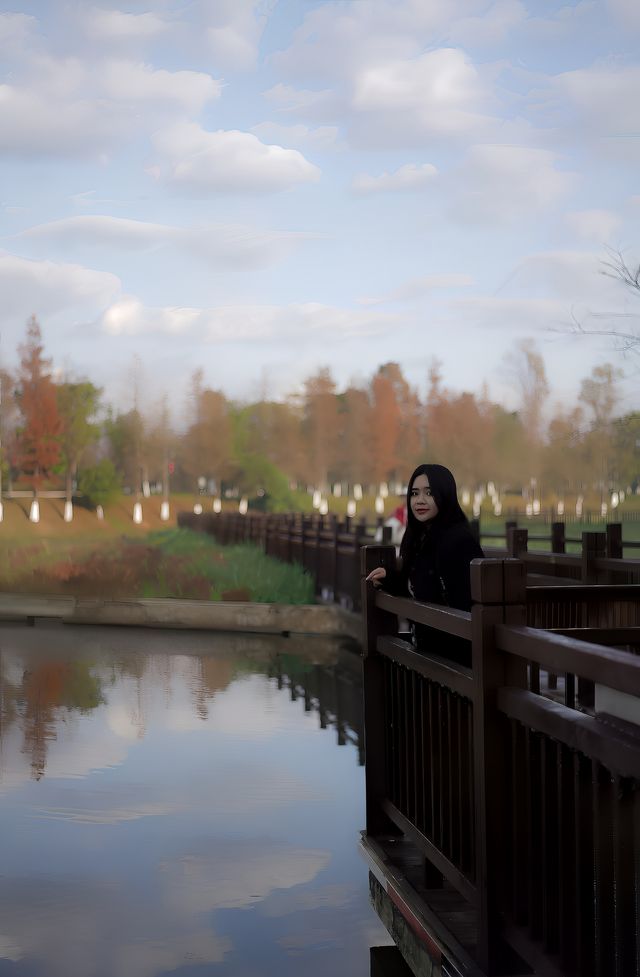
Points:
(100, 484)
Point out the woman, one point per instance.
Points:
(435, 553)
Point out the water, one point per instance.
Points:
(170, 803)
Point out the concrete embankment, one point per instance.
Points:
(197, 615)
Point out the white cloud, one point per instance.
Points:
(627, 11)
(238, 875)
(69, 107)
(600, 99)
(224, 245)
(116, 25)
(490, 26)
(306, 323)
(594, 225)
(499, 184)
(126, 81)
(198, 161)
(47, 287)
(32, 122)
(312, 104)
(575, 277)
(437, 93)
(419, 287)
(15, 28)
(319, 138)
(232, 29)
(410, 177)
(151, 938)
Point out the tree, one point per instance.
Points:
(355, 453)
(320, 427)
(599, 393)
(527, 369)
(126, 436)
(206, 448)
(78, 404)
(627, 339)
(563, 456)
(386, 422)
(626, 434)
(9, 421)
(100, 483)
(37, 445)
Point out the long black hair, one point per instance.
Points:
(444, 491)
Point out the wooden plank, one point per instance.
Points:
(617, 669)
(446, 619)
(617, 751)
(451, 872)
(458, 678)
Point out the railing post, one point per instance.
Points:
(614, 540)
(517, 541)
(558, 541)
(499, 589)
(594, 547)
(375, 622)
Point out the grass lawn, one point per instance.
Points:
(163, 563)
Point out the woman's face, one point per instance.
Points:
(423, 504)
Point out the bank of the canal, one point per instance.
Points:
(181, 802)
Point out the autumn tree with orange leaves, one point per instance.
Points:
(37, 443)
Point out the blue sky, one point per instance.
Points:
(264, 187)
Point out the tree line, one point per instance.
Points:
(60, 432)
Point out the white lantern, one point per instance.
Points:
(243, 506)
(217, 505)
(137, 513)
(351, 508)
(164, 511)
(379, 505)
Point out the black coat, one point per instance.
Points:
(439, 573)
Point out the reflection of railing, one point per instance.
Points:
(524, 802)
(333, 691)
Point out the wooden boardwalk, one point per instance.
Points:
(503, 800)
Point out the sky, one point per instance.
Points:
(262, 188)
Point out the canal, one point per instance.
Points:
(180, 803)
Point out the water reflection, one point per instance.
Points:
(178, 802)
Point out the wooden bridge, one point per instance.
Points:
(503, 801)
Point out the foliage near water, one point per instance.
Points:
(166, 563)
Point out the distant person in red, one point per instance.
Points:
(396, 522)
(436, 549)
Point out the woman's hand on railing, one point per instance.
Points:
(377, 576)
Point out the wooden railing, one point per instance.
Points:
(329, 549)
(523, 800)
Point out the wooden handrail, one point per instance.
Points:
(616, 669)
